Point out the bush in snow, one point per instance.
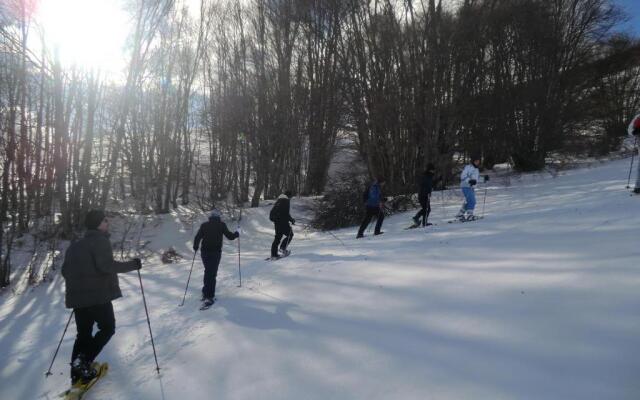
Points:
(341, 206)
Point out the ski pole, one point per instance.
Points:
(60, 343)
(484, 201)
(633, 154)
(146, 310)
(338, 239)
(239, 270)
(189, 278)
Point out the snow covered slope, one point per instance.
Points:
(539, 300)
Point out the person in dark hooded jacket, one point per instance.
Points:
(281, 217)
(424, 195)
(634, 130)
(91, 278)
(210, 235)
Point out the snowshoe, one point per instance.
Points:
(80, 388)
(465, 219)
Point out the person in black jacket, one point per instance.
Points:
(91, 280)
(210, 234)
(424, 196)
(281, 217)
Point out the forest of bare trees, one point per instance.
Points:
(244, 99)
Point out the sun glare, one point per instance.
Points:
(88, 33)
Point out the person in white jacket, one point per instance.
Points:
(634, 130)
(468, 180)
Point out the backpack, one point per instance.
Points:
(636, 126)
(373, 195)
(365, 194)
(277, 211)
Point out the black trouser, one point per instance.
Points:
(425, 211)
(371, 212)
(211, 261)
(281, 230)
(86, 343)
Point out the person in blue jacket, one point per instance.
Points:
(374, 203)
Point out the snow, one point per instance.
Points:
(539, 300)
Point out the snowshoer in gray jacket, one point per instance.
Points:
(90, 274)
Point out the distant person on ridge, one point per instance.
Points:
(374, 206)
(468, 180)
(210, 234)
(634, 130)
(91, 277)
(280, 216)
(424, 196)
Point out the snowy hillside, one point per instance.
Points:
(540, 300)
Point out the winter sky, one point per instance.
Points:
(92, 33)
(632, 7)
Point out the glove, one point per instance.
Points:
(195, 248)
(636, 132)
(138, 263)
(293, 221)
(486, 178)
(237, 234)
(472, 182)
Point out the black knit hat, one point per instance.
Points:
(94, 218)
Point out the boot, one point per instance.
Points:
(209, 301)
(82, 370)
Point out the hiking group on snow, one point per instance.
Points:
(91, 273)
